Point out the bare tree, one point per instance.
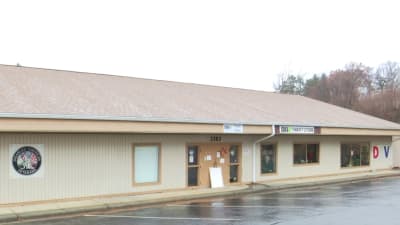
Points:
(356, 86)
(348, 84)
(384, 104)
(317, 88)
(387, 76)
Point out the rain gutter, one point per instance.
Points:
(171, 120)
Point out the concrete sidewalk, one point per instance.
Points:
(24, 212)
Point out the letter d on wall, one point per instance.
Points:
(375, 152)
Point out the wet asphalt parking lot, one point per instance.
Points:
(363, 203)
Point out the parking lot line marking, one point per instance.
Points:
(237, 206)
(288, 198)
(301, 198)
(164, 218)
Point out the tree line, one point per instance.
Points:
(374, 91)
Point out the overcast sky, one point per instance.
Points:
(229, 43)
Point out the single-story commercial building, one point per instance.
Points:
(71, 135)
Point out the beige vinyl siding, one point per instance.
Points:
(75, 165)
(329, 156)
(82, 165)
(116, 126)
(396, 151)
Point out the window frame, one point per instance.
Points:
(275, 147)
(307, 163)
(134, 183)
(361, 144)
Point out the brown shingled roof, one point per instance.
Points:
(30, 92)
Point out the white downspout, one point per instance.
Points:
(254, 150)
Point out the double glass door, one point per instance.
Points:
(201, 157)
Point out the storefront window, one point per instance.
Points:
(312, 153)
(354, 155)
(192, 155)
(146, 163)
(192, 176)
(268, 159)
(234, 163)
(305, 153)
(233, 154)
(233, 173)
(364, 155)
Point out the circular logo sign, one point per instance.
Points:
(27, 160)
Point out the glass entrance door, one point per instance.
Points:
(200, 158)
(193, 165)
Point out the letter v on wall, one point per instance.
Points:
(386, 148)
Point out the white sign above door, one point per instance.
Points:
(233, 128)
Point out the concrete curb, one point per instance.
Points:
(97, 207)
(8, 218)
(324, 183)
